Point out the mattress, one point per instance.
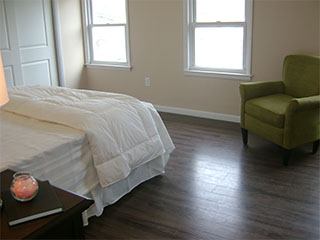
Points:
(49, 151)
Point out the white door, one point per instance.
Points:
(27, 42)
(9, 45)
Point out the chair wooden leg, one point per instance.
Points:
(286, 157)
(315, 146)
(244, 133)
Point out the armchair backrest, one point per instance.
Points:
(301, 75)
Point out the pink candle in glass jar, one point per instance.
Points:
(24, 187)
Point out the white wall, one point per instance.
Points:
(72, 43)
(156, 39)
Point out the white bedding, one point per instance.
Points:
(63, 155)
(121, 130)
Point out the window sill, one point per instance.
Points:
(109, 67)
(235, 76)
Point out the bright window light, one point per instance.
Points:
(219, 48)
(108, 11)
(220, 10)
(109, 44)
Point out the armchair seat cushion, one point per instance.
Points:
(270, 109)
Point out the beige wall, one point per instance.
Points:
(72, 43)
(156, 40)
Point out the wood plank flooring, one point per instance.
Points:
(215, 188)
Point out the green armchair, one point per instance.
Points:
(285, 112)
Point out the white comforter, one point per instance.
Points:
(120, 129)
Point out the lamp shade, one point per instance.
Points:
(3, 86)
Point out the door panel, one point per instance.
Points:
(10, 47)
(31, 27)
(4, 41)
(37, 73)
(8, 72)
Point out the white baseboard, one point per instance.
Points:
(196, 113)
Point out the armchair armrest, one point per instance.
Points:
(260, 89)
(257, 89)
(302, 121)
(303, 104)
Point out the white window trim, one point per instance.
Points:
(108, 67)
(87, 26)
(190, 69)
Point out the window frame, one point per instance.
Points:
(191, 25)
(87, 36)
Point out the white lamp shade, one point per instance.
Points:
(3, 86)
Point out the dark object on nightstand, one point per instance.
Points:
(45, 203)
(66, 225)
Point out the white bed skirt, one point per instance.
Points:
(107, 196)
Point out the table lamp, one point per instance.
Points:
(3, 86)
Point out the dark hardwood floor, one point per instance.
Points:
(215, 188)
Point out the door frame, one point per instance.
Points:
(58, 42)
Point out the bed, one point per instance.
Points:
(95, 144)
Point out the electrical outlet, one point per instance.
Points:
(147, 81)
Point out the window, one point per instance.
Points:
(218, 38)
(106, 32)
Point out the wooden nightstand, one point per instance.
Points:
(67, 224)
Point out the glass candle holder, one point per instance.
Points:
(24, 187)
